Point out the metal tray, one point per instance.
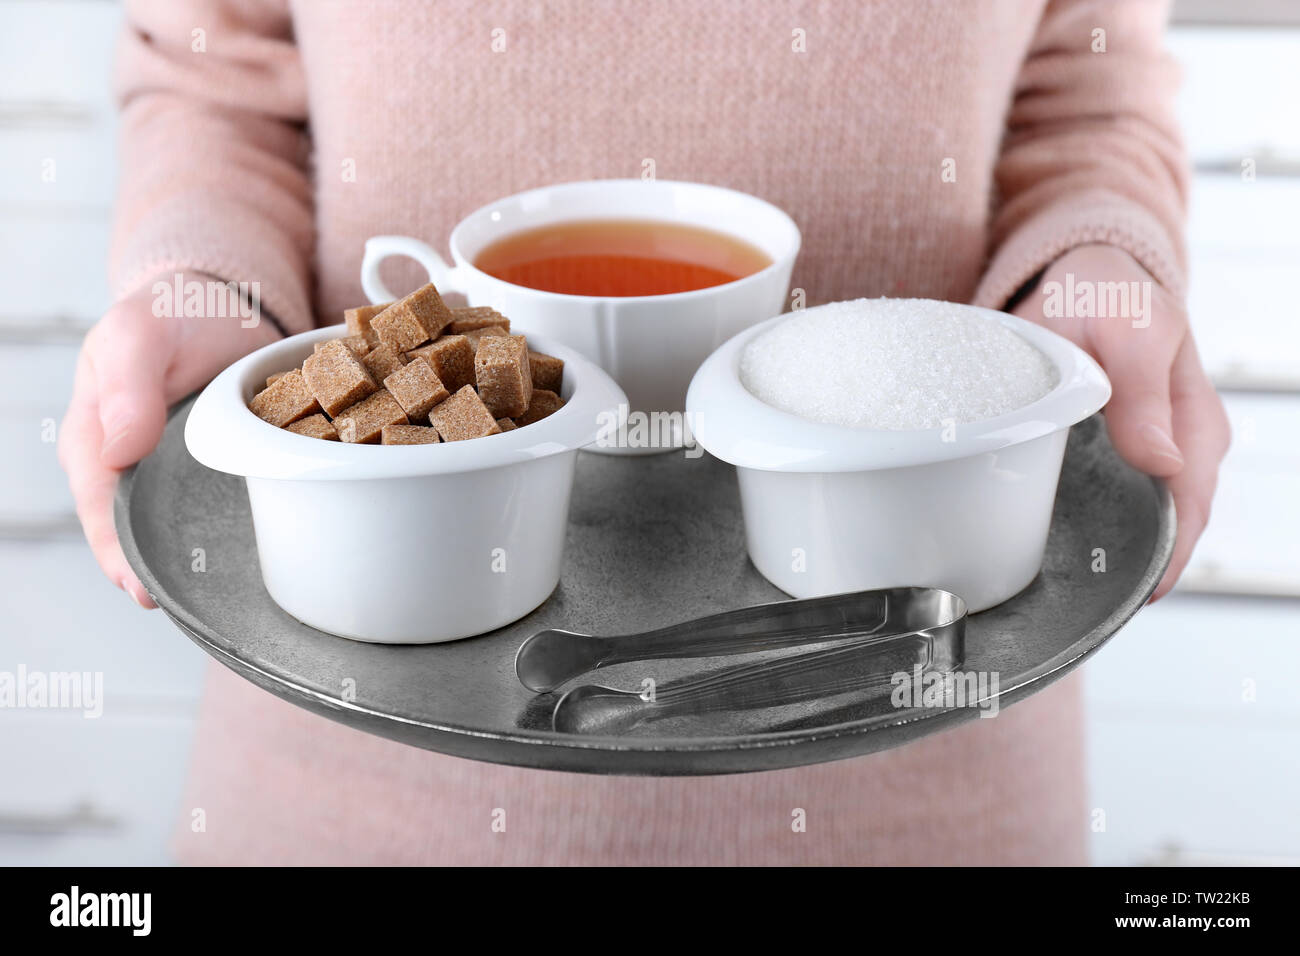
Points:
(652, 541)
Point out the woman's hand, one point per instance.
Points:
(133, 365)
(1164, 416)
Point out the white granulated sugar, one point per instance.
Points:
(894, 364)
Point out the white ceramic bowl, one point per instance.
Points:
(402, 544)
(829, 508)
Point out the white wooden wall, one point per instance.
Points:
(73, 790)
(1182, 766)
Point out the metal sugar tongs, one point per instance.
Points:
(872, 634)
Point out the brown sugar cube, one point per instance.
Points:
(314, 426)
(414, 354)
(548, 371)
(358, 321)
(506, 424)
(355, 343)
(285, 401)
(501, 370)
(413, 320)
(409, 435)
(544, 403)
(399, 329)
(364, 422)
(382, 361)
(473, 318)
(416, 387)
(273, 378)
(336, 377)
(477, 335)
(452, 359)
(463, 416)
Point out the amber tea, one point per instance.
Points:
(620, 257)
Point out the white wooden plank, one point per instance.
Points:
(1250, 546)
(1222, 787)
(33, 488)
(1254, 529)
(1239, 12)
(59, 613)
(1193, 656)
(1229, 212)
(34, 495)
(38, 378)
(57, 52)
(1240, 87)
(71, 167)
(1244, 253)
(125, 772)
(53, 265)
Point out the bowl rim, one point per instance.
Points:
(223, 434)
(735, 425)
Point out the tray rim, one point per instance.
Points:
(641, 755)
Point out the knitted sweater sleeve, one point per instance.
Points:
(213, 151)
(1091, 152)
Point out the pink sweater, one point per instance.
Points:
(929, 148)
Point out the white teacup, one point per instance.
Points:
(651, 345)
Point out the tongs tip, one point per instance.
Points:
(551, 657)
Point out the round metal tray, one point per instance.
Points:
(652, 541)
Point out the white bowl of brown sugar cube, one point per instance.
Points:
(408, 472)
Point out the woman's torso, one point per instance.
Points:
(875, 125)
(879, 139)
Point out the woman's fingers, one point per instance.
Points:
(1202, 431)
(115, 418)
(1139, 362)
(1164, 416)
(1134, 338)
(94, 484)
(130, 364)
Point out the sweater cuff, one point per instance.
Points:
(1095, 216)
(223, 240)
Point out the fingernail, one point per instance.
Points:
(125, 585)
(1160, 443)
(114, 434)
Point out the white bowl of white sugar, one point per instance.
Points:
(895, 442)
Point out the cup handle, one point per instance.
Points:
(379, 248)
